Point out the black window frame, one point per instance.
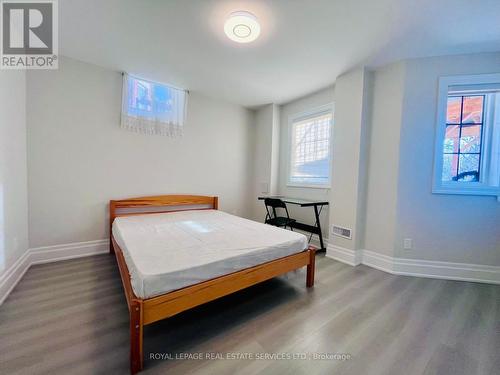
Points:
(461, 124)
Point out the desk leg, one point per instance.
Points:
(318, 225)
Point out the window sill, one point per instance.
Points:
(484, 191)
(308, 186)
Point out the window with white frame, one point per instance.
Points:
(310, 148)
(467, 159)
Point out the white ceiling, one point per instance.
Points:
(304, 44)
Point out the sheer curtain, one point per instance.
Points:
(152, 108)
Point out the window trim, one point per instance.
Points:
(316, 111)
(456, 187)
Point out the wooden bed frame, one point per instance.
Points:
(147, 311)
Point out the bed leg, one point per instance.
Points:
(136, 327)
(310, 267)
(112, 216)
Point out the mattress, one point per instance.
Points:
(169, 251)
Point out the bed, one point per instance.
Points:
(175, 252)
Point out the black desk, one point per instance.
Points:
(316, 205)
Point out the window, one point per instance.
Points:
(152, 108)
(468, 135)
(310, 149)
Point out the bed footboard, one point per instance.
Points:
(180, 300)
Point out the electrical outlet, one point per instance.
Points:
(264, 187)
(407, 244)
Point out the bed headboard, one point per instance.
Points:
(160, 203)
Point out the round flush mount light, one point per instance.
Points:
(242, 27)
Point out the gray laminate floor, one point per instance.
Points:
(71, 318)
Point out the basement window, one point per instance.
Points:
(467, 156)
(150, 107)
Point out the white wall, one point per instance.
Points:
(275, 149)
(79, 158)
(349, 155)
(266, 157)
(454, 228)
(383, 156)
(288, 110)
(13, 168)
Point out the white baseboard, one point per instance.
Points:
(350, 257)
(47, 254)
(379, 261)
(416, 267)
(11, 276)
(433, 269)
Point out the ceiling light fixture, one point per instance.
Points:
(242, 27)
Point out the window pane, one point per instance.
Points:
(162, 99)
(473, 110)
(141, 95)
(450, 164)
(451, 139)
(148, 99)
(310, 150)
(468, 169)
(470, 140)
(453, 110)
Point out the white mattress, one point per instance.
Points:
(169, 251)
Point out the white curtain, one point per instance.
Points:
(152, 108)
